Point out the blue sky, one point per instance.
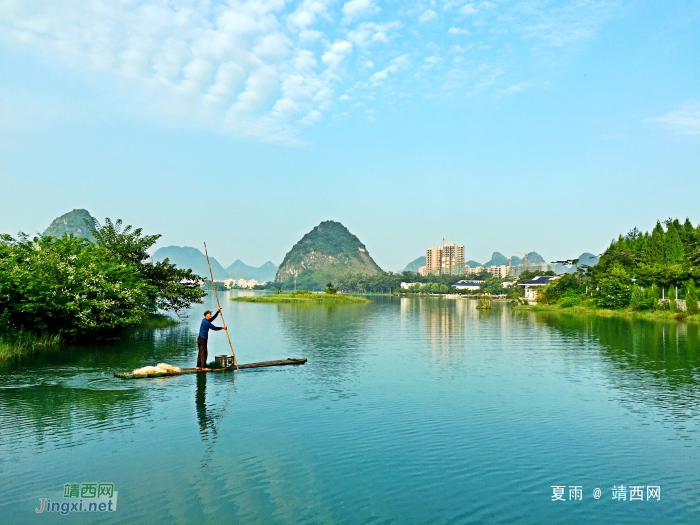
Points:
(510, 126)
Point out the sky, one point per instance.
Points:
(511, 126)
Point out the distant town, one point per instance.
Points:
(449, 260)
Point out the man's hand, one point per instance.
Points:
(219, 308)
(224, 327)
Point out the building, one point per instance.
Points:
(476, 270)
(515, 271)
(406, 286)
(498, 271)
(468, 285)
(240, 283)
(452, 260)
(533, 285)
(433, 260)
(448, 260)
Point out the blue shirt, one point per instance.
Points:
(207, 325)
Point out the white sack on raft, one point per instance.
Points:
(162, 368)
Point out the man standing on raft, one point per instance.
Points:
(204, 335)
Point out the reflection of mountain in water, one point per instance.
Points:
(653, 363)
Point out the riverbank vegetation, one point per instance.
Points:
(329, 296)
(653, 274)
(71, 289)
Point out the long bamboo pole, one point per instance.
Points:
(219, 305)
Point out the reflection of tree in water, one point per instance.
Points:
(35, 415)
(652, 362)
(134, 349)
(51, 395)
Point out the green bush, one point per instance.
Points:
(569, 300)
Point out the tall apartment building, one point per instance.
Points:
(433, 260)
(452, 259)
(448, 260)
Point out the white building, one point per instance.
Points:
(406, 286)
(533, 285)
(468, 285)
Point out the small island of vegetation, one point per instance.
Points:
(329, 296)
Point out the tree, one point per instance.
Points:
(615, 292)
(691, 298)
(173, 289)
(656, 244)
(330, 290)
(69, 286)
(673, 247)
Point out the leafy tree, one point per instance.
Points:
(691, 298)
(173, 289)
(68, 286)
(615, 290)
(673, 248)
(330, 290)
(656, 244)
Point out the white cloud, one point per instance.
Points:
(515, 88)
(344, 97)
(310, 35)
(260, 68)
(370, 32)
(400, 62)
(356, 8)
(336, 54)
(307, 13)
(427, 15)
(683, 121)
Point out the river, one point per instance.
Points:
(409, 410)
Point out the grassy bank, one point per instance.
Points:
(158, 321)
(25, 343)
(303, 297)
(660, 315)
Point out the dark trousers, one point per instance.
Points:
(202, 356)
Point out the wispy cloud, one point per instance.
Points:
(684, 120)
(267, 68)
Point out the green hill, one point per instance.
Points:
(192, 258)
(323, 254)
(414, 265)
(71, 223)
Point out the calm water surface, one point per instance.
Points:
(408, 411)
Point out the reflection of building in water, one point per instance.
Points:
(449, 323)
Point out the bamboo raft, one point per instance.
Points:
(262, 364)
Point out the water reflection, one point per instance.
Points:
(35, 415)
(651, 362)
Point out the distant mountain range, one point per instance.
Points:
(323, 254)
(240, 270)
(497, 259)
(586, 258)
(192, 258)
(72, 223)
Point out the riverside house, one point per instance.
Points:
(533, 285)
